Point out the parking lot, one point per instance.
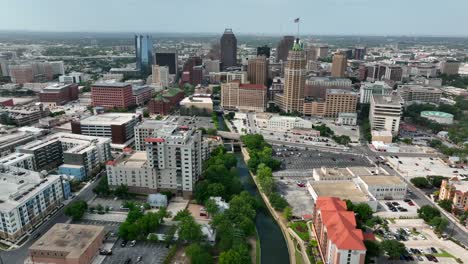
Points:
(150, 252)
(300, 159)
(198, 121)
(298, 197)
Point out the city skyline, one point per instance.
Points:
(330, 18)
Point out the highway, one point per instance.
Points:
(17, 256)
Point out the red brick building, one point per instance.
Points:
(112, 95)
(339, 241)
(164, 103)
(59, 94)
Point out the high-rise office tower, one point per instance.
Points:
(167, 58)
(160, 75)
(339, 65)
(144, 53)
(264, 50)
(257, 70)
(294, 79)
(228, 49)
(359, 53)
(283, 48)
(322, 52)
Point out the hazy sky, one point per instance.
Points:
(357, 17)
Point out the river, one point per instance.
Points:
(272, 244)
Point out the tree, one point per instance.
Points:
(407, 141)
(198, 254)
(373, 249)
(439, 224)
(211, 131)
(189, 230)
(278, 202)
(102, 188)
(211, 207)
(76, 210)
(122, 192)
(446, 204)
(420, 182)
(287, 212)
(393, 248)
(428, 212)
(230, 115)
(436, 181)
(363, 212)
(235, 256)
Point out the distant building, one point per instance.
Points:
(385, 112)
(338, 239)
(339, 65)
(368, 89)
(283, 123)
(282, 50)
(449, 67)
(340, 101)
(160, 75)
(394, 73)
(322, 52)
(73, 77)
(376, 72)
(58, 94)
(419, 94)
(240, 76)
(163, 103)
(347, 119)
(167, 58)
(68, 244)
(24, 115)
(142, 94)
(264, 51)
(359, 53)
(318, 86)
(228, 45)
(243, 97)
(144, 53)
(117, 126)
(211, 66)
(257, 70)
(112, 95)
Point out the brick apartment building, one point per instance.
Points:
(59, 94)
(112, 95)
(339, 241)
(165, 102)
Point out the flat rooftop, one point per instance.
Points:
(382, 180)
(136, 160)
(342, 189)
(108, 119)
(194, 100)
(152, 124)
(71, 239)
(55, 87)
(111, 84)
(388, 99)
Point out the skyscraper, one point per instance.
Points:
(283, 48)
(322, 52)
(257, 70)
(292, 99)
(339, 65)
(167, 58)
(144, 53)
(228, 49)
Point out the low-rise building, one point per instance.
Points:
(456, 191)
(20, 160)
(347, 119)
(368, 89)
(117, 126)
(68, 244)
(166, 101)
(244, 97)
(382, 136)
(419, 94)
(438, 117)
(283, 123)
(112, 95)
(28, 197)
(339, 241)
(142, 94)
(201, 105)
(58, 94)
(333, 174)
(384, 187)
(25, 115)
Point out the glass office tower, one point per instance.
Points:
(144, 53)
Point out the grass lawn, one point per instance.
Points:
(301, 230)
(444, 254)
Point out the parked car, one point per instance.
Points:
(139, 258)
(132, 243)
(105, 252)
(124, 243)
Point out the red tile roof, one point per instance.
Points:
(111, 162)
(340, 224)
(369, 236)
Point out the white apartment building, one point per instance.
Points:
(384, 187)
(237, 75)
(173, 160)
(145, 130)
(368, 89)
(132, 170)
(73, 77)
(385, 112)
(283, 123)
(27, 197)
(19, 160)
